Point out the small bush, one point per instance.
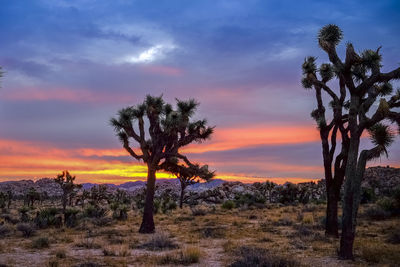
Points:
(92, 211)
(159, 241)
(308, 219)
(187, 256)
(88, 243)
(102, 222)
(253, 256)
(88, 264)
(26, 229)
(4, 230)
(386, 203)
(228, 205)
(394, 237)
(60, 254)
(24, 216)
(376, 213)
(48, 217)
(71, 217)
(53, 263)
(41, 242)
(198, 211)
(108, 253)
(283, 222)
(213, 232)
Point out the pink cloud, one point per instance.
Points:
(163, 70)
(65, 94)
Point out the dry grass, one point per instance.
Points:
(208, 240)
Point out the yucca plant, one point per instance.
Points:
(361, 85)
(168, 131)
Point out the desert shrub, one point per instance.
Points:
(26, 229)
(53, 263)
(386, 203)
(248, 199)
(47, 218)
(40, 242)
(120, 211)
(88, 264)
(102, 222)
(213, 232)
(308, 219)
(168, 205)
(394, 237)
(109, 253)
(367, 195)
(88, 243)
(198, 211)
(253, 257)
(92, 211)
(24, 216)
(5, 230)
(376, 212)
(306, 233)
(71, 217)
(159, 241)
(309, 208)
(228, 205)
(187, 256)
(10, 219)
(60, 254)
(283, 222)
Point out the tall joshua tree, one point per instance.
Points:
(334, 167)
(189, 175)
(360, 75)
(168, 131)
(66, 181)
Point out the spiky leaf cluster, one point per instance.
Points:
(359, 72)
(330, 35)
(371, 59)
(309, 66)
(326, 71)
(385, 89)
(381, 136)
(317, 115)
(306, 83)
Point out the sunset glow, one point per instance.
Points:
(69, 67)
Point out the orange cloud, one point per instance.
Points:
(252, 136)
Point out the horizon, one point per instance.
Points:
(70, 67)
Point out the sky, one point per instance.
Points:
(71, 65)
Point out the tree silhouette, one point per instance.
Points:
(189, 175)
(66, 182)
(360, 76)
(334, 167)
(168, 131)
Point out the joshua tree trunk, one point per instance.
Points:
(147, 225)
(350, 201)
(183, 186)
(331, 227)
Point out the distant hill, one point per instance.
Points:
(380, 179)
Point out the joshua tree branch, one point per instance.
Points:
(130, 150)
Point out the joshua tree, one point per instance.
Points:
(98, 194)
(334, 175)
(9, 197)
(361, 77)
(66, 181)
(168, 131)
(31, 196)
(265, 189)
(189, 175)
